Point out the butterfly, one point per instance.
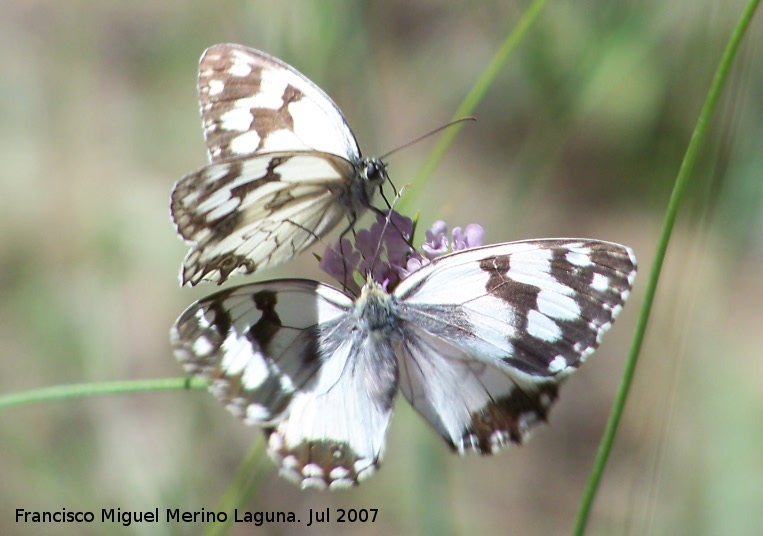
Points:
(284, 169)
(478, 342)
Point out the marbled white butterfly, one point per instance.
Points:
(478, 342)
(284, 170)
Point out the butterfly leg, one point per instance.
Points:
(350, 227)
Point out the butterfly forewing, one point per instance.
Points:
(478, 341)
(257, 344)
(252, 103)
(285, 168)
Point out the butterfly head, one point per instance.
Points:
(375, 172)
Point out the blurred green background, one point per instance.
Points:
(581, 135)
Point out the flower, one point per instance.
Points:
(472, 237)
(436, 242)
(379, 253)
(414, 263)
(384, 253)
(341, 262)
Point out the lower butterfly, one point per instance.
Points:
(478, 342)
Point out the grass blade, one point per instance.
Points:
(679, 189)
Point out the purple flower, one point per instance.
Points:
(397, 238)
(472, 237)
(384, 253)
(436, 242)
(414, 263)
(379, 253)
(341, 263)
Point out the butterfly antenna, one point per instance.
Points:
(428, 134)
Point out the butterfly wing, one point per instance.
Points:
(472, 404)
(285, 167)
(491, 332)
(253, 103)
(283, 355)
(335, 432)
(251, 212)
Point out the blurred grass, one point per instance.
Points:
(682, 182)
(581, 134)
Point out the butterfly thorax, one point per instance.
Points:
(373, 309)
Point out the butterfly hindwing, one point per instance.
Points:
(472, 404)
(335, 432)
(256, 211)
(284, 169)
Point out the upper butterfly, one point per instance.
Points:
(284, 168)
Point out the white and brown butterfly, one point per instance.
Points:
(284, 170)
(477, 341)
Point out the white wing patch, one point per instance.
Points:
(478, 342)
(559, 306)
(542, 327)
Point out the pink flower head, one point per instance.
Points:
(384, 253)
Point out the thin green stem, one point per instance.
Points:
(679, 189)
(83, 390)
(477, 93)
(241, 489)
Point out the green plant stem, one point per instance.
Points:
(241, 489)
(679, 189)
(82, 390)
(476, 94)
